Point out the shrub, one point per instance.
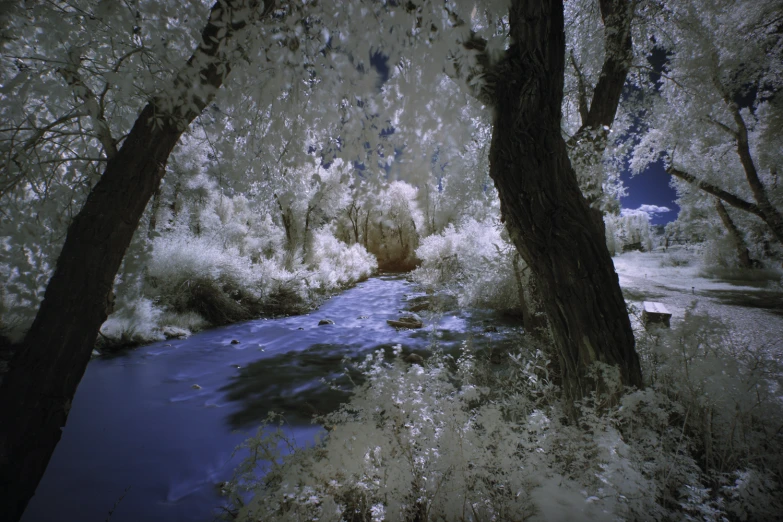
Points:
(335, 264)
(468, 440)
(195, 280)
(676, 259)
(135, 323)
(474, 262)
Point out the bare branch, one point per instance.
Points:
(709, 188)
(94, 109)
(722, 126)
(583, 107)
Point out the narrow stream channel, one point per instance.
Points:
(157, 427)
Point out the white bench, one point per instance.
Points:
(655, 313)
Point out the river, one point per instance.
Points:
(151, 432)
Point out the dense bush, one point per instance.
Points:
(221, 263)
(629, 228)
(467, 440)
(474, 262)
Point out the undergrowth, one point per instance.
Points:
(467, 440)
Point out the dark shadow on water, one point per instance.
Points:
(293, 383)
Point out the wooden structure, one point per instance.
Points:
(655, 313)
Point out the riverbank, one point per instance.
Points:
(164, 419)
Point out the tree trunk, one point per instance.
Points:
(773, 217)
(548, 219)
(306, 238)
(366, 229)
(36, 394)
(353, 216)
(743, 255)
(535, 323)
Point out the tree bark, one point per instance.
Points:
(548, 219)
(535, 324)
(743, 254)
(773, 217)
(598, 113)
(36, 394)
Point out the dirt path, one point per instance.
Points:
(754, 309)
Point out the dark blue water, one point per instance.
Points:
(140, 428)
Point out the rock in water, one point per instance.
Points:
(234, 341)
(174, 332)
(325, 321)
(413, 358)
(406, 321)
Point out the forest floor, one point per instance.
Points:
(750, 302)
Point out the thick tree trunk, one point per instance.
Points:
(773, 217)
(36, 394)
(588, 144)
(743, 254)
(548, 219)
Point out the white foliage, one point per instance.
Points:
(138, 321)
(632, 226)
(474, 261)
(471, 442)
(338, 264)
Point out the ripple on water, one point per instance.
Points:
(136, 421)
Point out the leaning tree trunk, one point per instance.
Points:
(588, 144)
(36, 393)
(547, 217)
(743, 254)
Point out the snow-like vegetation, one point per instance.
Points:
(302, 173)
(235, 267)
(467, 440)
(208, 259)
(473, 262)
(628, 229)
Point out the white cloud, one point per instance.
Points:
(650, 210)
(654, 209)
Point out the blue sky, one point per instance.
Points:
(651, 187)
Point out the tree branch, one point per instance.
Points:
(722, 126)
(729, 198)
(94, 109)
(617, 16)
(580, 79)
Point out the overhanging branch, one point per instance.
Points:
(709, 188)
